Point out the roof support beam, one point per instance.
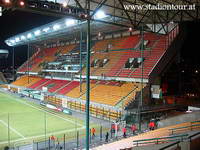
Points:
(127, 14)
(98, 7)
(142, 18)
(79, 5)
(163, 27)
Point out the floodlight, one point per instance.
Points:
(12, 41)
(7, 1)
(21, 3)
(37, 32)
(46, 29)
(70, 22)
(23, 37)
(99, 34)
(29, 35)
(64, 4)
(100, 14)
(56, 27)
(130, 29)
(17, 39)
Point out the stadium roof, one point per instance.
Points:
(66, 28)
(121, 13)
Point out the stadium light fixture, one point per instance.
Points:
(65, 4)
(37, 33)
(12, 41)
(130, 29)
(99, 15)
(21, 3)
(17, 39)
(70, 22)
(23, 37)
(46, 29)
(7, 1)
(99, 34)
(29, 35)
(56, 27)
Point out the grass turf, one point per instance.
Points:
(27, 121)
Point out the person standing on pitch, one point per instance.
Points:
(133, 128)
(124, 132)
(107, 134)
(93, 132)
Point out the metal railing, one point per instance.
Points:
(193, 125)
(160, 140)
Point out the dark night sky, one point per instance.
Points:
(12, 23)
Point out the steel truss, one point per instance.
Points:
(116, 9)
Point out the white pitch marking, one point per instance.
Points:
(49, 113)
(14, 130)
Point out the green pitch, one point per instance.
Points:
(23, 121)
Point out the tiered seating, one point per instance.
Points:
(117, 59)
(114, 64)
(113, 57)
(151, 60)
(75, 93)
(57, 84)
(68, 87)
(118, 69)
(66, 49)
(38, 84)
(110, 95)
(26, 81)
(99, 47)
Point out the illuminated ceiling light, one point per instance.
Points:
(65, 4)
(46, 29)
(21, 3)
(70, 22)
(130, 29)
(37, 32)
(12, 41)
(7, 1)
(17, 39)
(100, 15)
(56, 27)
(99, 34)
(23, 37)
(196, 71)
(29, 35)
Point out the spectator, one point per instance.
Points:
(107, 134)
(133, 128)
(151, 125)
(58, 146)
(124, 132)
(52, 138)
(93, 132)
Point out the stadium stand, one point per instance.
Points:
(41, 57)
(115, 58)
(26, 81)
